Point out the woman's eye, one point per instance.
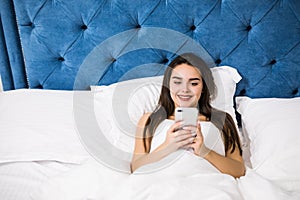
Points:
(177, 83)
(194, 84)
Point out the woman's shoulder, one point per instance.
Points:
(143, 120)
(146, 115)
(203, 118)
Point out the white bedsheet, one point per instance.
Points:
(92, 181)
(18, 180)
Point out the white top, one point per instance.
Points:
(211, 134)
(182, 162)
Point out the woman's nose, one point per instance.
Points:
(185, 88)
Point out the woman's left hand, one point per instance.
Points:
(198, 144)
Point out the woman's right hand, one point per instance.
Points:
(178, 137)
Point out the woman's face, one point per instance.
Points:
(185, 86)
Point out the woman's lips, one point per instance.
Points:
(184, 97)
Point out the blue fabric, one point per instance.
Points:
(72, 44)
(12, 68)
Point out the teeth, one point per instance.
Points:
(184, 97)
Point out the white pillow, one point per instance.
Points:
(272, 125)
(39, 125)
(119, 106)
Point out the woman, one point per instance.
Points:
(188, 82)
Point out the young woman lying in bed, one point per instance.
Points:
(188, 82)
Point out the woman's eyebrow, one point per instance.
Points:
(176, 77)
(191, 79)
(194, 79)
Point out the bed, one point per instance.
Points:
(77, 76)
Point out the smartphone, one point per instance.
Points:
(188, 115)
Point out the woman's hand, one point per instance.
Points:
(198, 143)
(179, 137)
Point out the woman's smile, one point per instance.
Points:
(184, 97)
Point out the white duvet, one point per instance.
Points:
(93, 181)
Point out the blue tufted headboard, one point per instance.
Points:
(71, 44)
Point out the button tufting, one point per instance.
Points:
(138, 26)
(218, 61)
(166, 60)
(30, 24)
(193, 27)
(272, 62)
(249, 28)
(83, 27)
(61, 59)
(242, 92)
(39, 86)
(295, 91)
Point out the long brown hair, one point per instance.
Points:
(222, 120)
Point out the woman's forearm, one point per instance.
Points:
(226, 165)
(147, 158)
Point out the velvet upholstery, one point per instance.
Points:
(123, 39)
(12, 68)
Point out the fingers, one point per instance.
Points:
(181, 135)
(191, 144)
(176, 126)
(185, 144)
(184, 136)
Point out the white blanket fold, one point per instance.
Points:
(93, 181)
